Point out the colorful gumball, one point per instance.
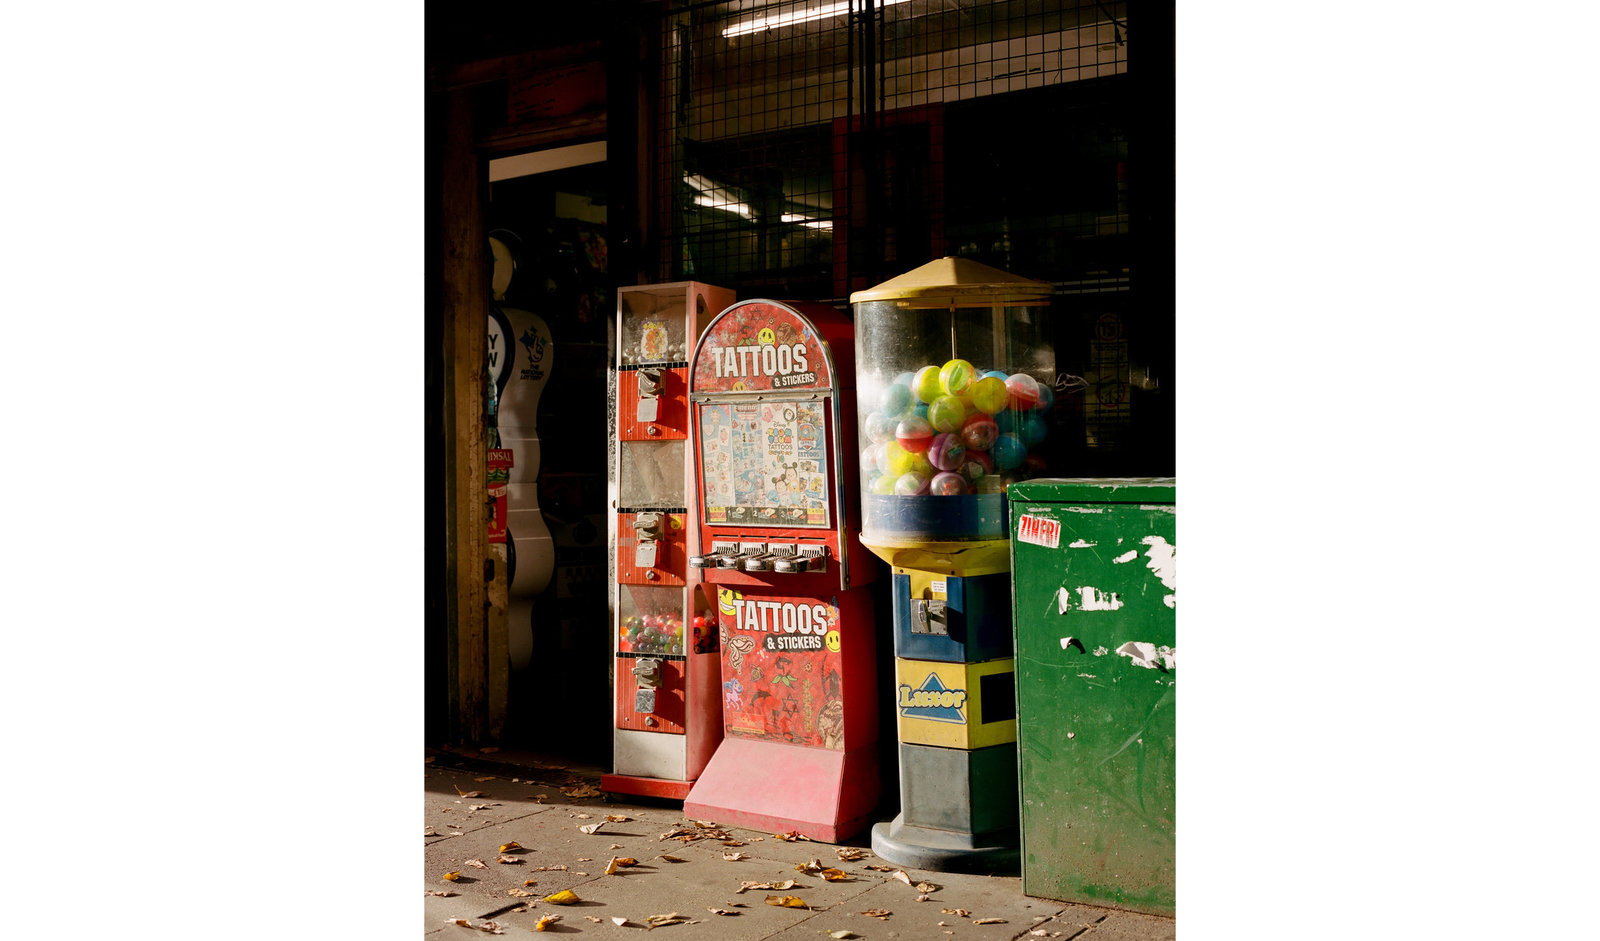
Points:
(956, 376)
(914, 434)
(996, 374)
(921, 465)
(896, 460)
(1047, 398)
(905, 379)
(976, 465)
(869, 459)
(947, 484)
(947, 452)
(920, 410)
(1031, 428)
(895, 399)
(1006, 421)
(881, 426)
(979, 431)
(1022, 391)
(884, 484)
(1008, 452)
(946, 413)
(909, 485)
(988, 394)
(926, 384)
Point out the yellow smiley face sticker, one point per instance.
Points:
(832, 640)
(766, 337)
(726, 599)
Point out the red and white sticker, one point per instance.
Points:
(1039, 531)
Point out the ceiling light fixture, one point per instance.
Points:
(775, 20)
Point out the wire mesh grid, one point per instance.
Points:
(816, 147)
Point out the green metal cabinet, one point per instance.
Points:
(1094, 587)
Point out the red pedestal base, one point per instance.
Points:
(824, 794)
(645, 787)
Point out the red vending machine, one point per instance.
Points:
(668, 718)
(772, 403)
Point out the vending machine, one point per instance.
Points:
(668, 716)
(955, 371)
(771, 391)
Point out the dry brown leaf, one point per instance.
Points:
(618, 818)
(545, 921)
(452, 876)
(900, 875)
(593, 827)
(620, 922)
(594, 918)
(927, 887)
(429, 832)
(481, 780)
(814, 865)
(577, 873)
(850, 854)
(468, 793)
(444, 894)
(474, 808)
(583, 816)
(732, 842)
(956, 911)
(528, 882)
(428, 760)
(509, 860)
(611, 867)
(561, 868)
(881, 868)
(780, 886)
(734, 857)
(508, 847)
(720, 911)
(922, 898)
(476, 864)
(522, 893)
(843, 933)
(625, 861)
(564, 897)
(990, 921)
(670, 918)
(671, 859)
(581, 790)
(878, 913)
(834, 875)
(787, 901)
(793, 836)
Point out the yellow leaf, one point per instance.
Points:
(990, 921)
(618, 818)
(530, 882)
(545, 921)
(508, 847)
(452, 876)
(625, 861)
(611, 867)
(787, 901)
(564, 897)
(833, 875)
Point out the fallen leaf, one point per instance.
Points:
(428, 760)
(452, 876)
(429, 832)
(732, 842)
(530, 882)
(476, 864)
(545, 921)
(489, 749)
(508, 847)
(927, 887)
(467, 793)
(611, 867)
(956, 911)
(560, 868)
(843, 933)
(481, 780)
(1039, 933)
(780, 886)
(834, 875)
(614, 846)
(900, 874)
(881, 868)
(594, 918)
(942, 924)
(990, 921)
(564, 897)
(787, 901)
(793, 836)
(670, 859)
(620, 922)
(814, 865)
(921, 898)
(734, 857)
(508, 860)
(878, 913)
(625, 861)
(671, 918)
(577, 873)
(473, 808)
(445, 894)
(618, 818)
(593, 827)
(581, 790)
(583, 816)
(521, 893)
(455, 833)
(720, 911)
(850, 854)
(488, 926)
(706, 824)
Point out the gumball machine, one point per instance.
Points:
(954, 375)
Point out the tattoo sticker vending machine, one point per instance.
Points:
(772, 397)
(668, 718)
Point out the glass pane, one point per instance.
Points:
(765, 463)
(652, 474)
(652, 327)
(651, 620)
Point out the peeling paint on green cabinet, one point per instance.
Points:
(1094, 583)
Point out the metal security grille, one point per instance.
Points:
(807, 148)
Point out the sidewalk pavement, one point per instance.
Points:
(476, 803)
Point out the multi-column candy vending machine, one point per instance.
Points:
(667, 710)
(771, 387)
